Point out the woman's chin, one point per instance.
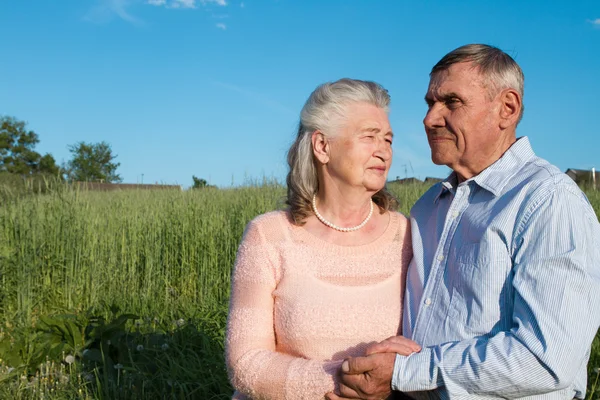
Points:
(375, 186)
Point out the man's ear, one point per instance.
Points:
(510, 108)
(320, 147)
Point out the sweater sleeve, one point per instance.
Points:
(255, 368)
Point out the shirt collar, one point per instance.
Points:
(495, 177)
(448, 185)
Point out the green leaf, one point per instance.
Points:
(57, 325)
(75, 334)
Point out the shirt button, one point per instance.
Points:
(440, 257)
(455, 214)
(427, 301)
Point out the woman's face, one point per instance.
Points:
(360, 154)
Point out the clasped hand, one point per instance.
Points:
(370, 377)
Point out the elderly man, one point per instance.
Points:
(504, 287)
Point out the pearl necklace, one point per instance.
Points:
(334, 226)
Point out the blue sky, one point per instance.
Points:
(214, 88)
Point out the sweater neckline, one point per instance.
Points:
(386, 237)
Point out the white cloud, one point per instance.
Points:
(183, 4)
(596, 21)
(186, 3)
(217, 2)
(105, 10)
(221, 26)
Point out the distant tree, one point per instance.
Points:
(17, 154)
(48, 165)
(92, 162)
(198, 182)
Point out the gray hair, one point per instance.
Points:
(498, 68)
(325, 111)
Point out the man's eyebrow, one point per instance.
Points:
(448, 96)
(442, 97)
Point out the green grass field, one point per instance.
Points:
(123, 295)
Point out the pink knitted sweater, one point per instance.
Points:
(301, 305)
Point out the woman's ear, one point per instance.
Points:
(320, 147)
(510, 108)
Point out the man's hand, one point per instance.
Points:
(366, 378)
(370, 377)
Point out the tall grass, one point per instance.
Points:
(150, 252)
(164, 256)
(14, 187)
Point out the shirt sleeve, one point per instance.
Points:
(255, 368)
(556, 267)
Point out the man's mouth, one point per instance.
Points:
(439, 139)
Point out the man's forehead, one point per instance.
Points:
(438, 86)
(438, 76)
(454, 79)
(435, 82)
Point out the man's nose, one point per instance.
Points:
(434, 117)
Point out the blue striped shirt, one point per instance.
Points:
(503, 292)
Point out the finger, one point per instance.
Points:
(351, 381)
(357, 365)
(333, 396)
(407, 342)
(347, 392)
(394, 344)
(387, 347)
(376, 348)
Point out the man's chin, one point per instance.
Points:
(439, 159)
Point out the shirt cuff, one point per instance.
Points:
(415, 372)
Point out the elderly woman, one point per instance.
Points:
(324, 279)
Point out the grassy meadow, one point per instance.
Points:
(123, 295)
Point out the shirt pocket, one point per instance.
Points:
(479, 287)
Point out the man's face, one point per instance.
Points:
(462, 122)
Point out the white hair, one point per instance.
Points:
(324, 111)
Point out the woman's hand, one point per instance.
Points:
(394, 344)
